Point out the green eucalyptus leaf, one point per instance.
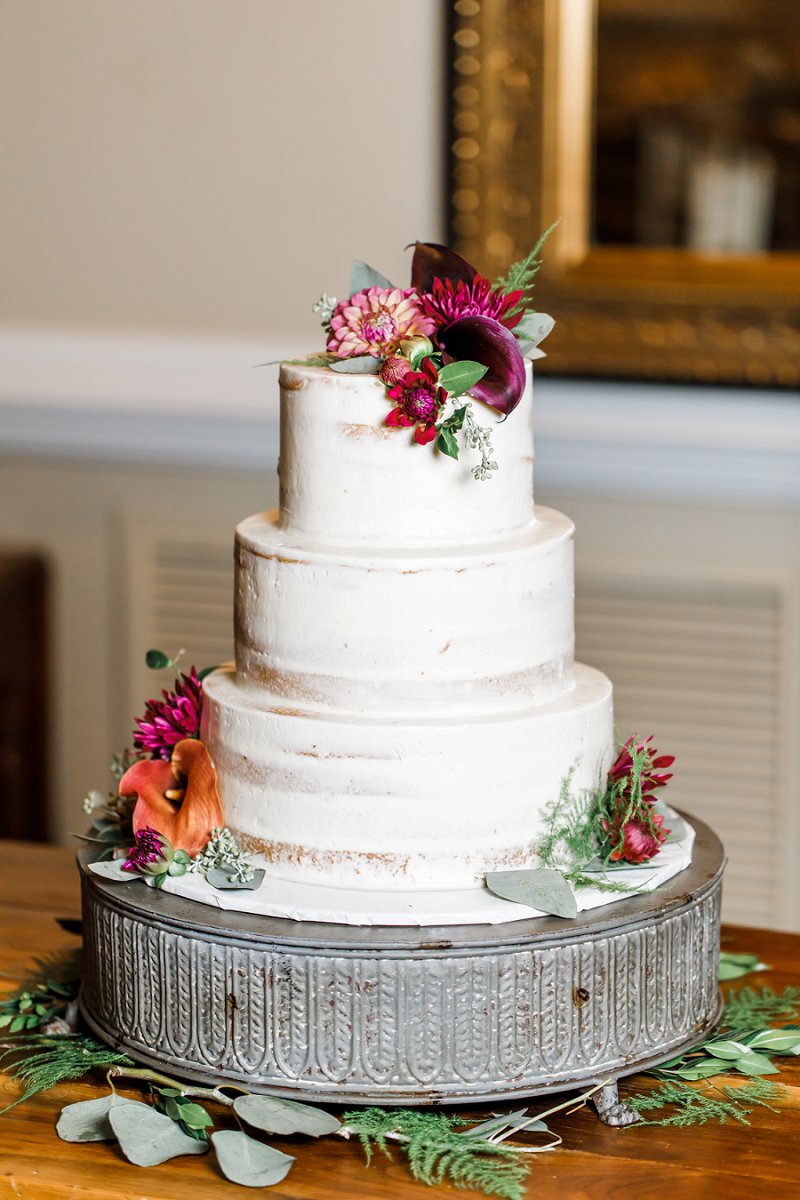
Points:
(6, 1019)
(362, 276)
(447, 443)
(87, 1120)
(540, 887)
(17, 1024)
(727, 1049)
(147, 1137)
(533, 328)
(733, 966)
(703, 1069)
(222, 879)
(284, 1116)
(157, 660)
(458, 377)
(781, 1040)
(250, 1163)
(755, 1064)
(363, 364)
(113, 871)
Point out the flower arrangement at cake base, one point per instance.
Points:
(595, 848)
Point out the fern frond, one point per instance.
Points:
(695, 1107)
(437, 1151)
(42, 1062)
(520, 275)
(747, 1009)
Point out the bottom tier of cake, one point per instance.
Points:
(399, 804)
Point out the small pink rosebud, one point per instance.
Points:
(395, 369)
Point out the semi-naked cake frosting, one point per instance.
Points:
(404, 702)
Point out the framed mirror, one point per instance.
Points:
(664, 136)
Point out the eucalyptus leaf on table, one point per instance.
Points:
(147, 1137)
(273, 1115)
(250, 1163)
(541, 888)
(87, 1120)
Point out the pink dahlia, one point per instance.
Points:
(419, 400)
(168, 721)
(448, 301)
(375, 321)
(638, 839)
(650, 769)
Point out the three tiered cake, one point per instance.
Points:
(405, 700)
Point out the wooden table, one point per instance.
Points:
(40, 883)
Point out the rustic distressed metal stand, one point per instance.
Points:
(379, 1015)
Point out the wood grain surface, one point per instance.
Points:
(39, 884)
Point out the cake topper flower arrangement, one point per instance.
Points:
(451, 335)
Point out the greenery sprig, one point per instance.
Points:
(692, 1107)
(520, 275)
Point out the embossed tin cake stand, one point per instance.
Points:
(413, 1016)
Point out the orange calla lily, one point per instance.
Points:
(179, 798)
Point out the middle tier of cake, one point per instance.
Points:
(482, 630)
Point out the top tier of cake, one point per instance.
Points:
(348, 479)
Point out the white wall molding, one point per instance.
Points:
(138, 399)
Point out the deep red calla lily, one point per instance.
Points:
(432, 261)
(484, 340)
(186, 822)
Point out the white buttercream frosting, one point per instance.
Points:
(401, 803)
(347, 478)
(404, 703)
(483, 629)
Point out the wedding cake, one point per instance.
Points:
(404, 702)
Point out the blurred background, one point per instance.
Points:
(180, 181)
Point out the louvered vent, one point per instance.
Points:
(187, 603)
(699, 666)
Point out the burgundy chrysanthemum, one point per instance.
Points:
(637, 840)
(418, 400)
(652, 771)
(167, 722)
(447, 302)
(147, 856)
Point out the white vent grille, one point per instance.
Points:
(180, 596)
(700, 667)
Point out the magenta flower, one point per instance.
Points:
(151, 855)
(375, 321)
(636, 840)
(634, 832)
(651, 768)
(168, 721)
(418, 400)
(471, 322)
(448, 301)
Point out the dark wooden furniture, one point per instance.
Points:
(23, 697)
(40, 883)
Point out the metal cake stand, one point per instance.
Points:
(414, 1016)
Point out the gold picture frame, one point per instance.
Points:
(520, 128)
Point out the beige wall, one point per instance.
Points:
(210, 166)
